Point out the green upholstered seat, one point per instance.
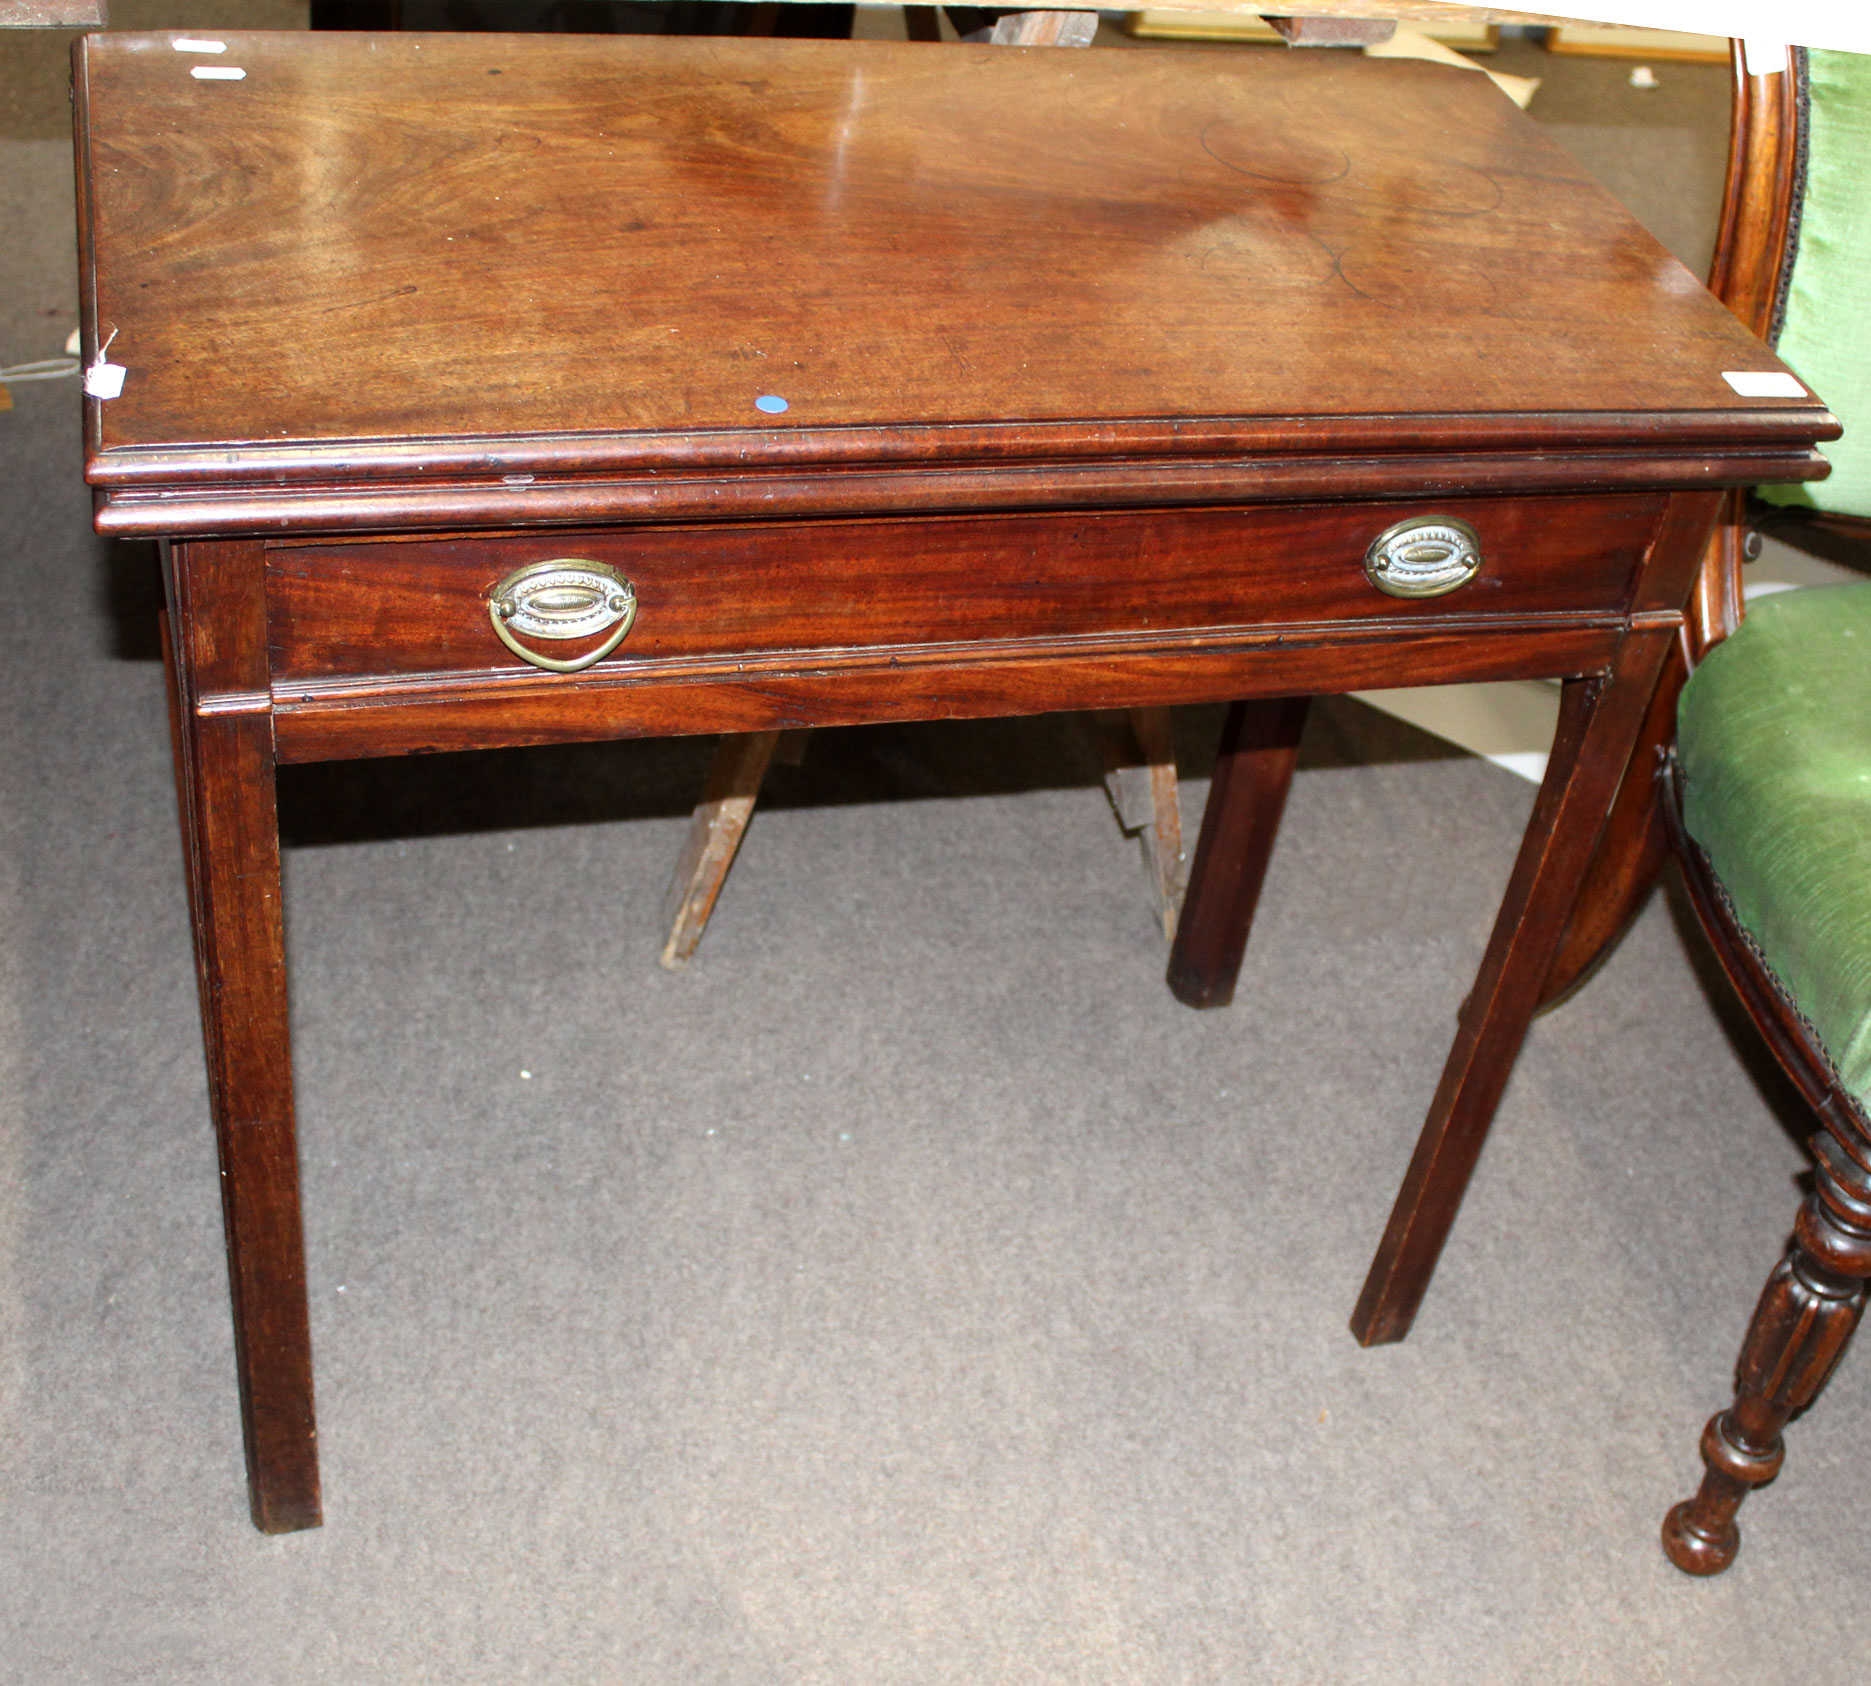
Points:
(1827, 333)
(1774, 738)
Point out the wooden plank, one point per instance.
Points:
(1038, 29)
(1332, 31)
(479, 711)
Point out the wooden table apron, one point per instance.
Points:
(906, 555)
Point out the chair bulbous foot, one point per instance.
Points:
(1691, 1550)
(1801, 1327)
(1700, 1534)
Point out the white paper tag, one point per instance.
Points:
(104, 380)
(1763, 383)
(184, 44)
(216, 73)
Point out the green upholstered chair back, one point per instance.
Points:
(1774, 739)
(1826, 332)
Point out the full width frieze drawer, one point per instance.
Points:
(396, 606)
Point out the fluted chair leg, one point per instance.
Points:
(1802, 1325)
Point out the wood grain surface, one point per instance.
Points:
(1599, 719)
(332, 720)
(1752, 256)
(214, 653)
(609, 248)
(388, 607)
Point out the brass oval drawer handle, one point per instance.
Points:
(1423, 558)
(563, 598)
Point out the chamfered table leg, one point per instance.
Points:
(1253, 773)
(230, 835)
(1598, 723)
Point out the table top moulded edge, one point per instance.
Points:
(458, 478)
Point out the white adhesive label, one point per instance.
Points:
(216, 73)
(183, 44)
(104, 380)
(1763, 383)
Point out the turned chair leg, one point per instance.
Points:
(1801, 1327)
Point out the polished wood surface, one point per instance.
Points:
(419, 606)
(1102, 370)
(1749, 273)
(1598, 723)
(866, 687)
(213, 639)
(1760, 198)
(719, 824)
(1631, 850)
(452, 258)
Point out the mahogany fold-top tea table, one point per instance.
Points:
(514, 390)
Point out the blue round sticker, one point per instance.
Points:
(773, 405)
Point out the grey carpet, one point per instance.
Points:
(912, 1292)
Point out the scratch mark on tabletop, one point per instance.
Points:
(375, 298)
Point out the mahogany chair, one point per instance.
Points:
(1764, 789)
(1767, 800)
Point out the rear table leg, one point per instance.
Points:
(1253, 773)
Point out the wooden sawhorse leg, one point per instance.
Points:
(1139, 770)
(1138, 752)
(1598, 724)
(714, 839)
(230, 841)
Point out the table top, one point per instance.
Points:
(407, 255)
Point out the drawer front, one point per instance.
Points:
(408, 606)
